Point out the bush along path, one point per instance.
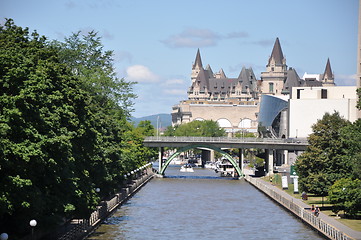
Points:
(325, 225)
(81, 228)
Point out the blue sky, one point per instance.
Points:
(155, 42)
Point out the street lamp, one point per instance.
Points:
(97, 190)
(4, 236)
(32, 225)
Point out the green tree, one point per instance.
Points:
(85, 55)
(111, 104)
(170, 130)
(206, 128)
(60, 136)
(146, 128)
(323, 162)
(358, 106)
(351, 138)
(44, 111)
(345, 194)
(244, 134)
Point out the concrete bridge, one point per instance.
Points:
(218, 143)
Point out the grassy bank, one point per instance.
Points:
(323, 203)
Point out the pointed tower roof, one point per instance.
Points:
(198, 61)
(222, 74)
(209, 70)
(328, 72)
(277, 54)
(292, 80)
(202, 79)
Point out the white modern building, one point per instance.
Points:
(309, 104)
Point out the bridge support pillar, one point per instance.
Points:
(285, 152)
(206, 155)
(212, 155)
(241, 159)
(270, 161)
(160, 157)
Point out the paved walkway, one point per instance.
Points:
(330, 220)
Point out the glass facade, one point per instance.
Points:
(269, 117)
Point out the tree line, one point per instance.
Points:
(331, 165)
(64, 128)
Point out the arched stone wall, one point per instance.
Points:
(245, 123)
(224, 123)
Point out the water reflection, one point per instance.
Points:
(201, 205)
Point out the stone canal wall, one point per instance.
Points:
(297, 207)
(81, 228)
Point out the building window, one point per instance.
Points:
(323, 93)
(299, 93)
(271, 87)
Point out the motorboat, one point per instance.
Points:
(177, 161)
(226, 170)
(187, 168)
(210, 165)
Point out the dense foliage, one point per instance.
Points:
(63, 128)
(345, 194)
(359, 98)
(324, 161)
(332, 163)
(206, 128)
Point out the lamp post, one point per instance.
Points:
(97, 190)
(4, 236)
(33, 224)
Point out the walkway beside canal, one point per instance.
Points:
(80, 228)
(324, 224)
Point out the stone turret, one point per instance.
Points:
(328, 77)
(273, 78)
(197, 66)
(277, 62)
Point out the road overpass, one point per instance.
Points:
(218, 143)
(293, 144)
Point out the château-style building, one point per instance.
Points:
(234, 102)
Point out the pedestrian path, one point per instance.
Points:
(325, 218)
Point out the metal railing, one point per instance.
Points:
(82, 227)
(316, 222)
(225, 140)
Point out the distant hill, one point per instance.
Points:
(165, 120)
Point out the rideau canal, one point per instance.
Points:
(201, 205)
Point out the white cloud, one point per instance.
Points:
(140, 73)
(237, 35)
(107, 35)
(193, 37)
(196, 37)
(264, 42)
(173, 82)
(120, 56)
(345, 80)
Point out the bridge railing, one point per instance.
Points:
(225, 139)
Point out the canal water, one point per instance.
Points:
(199, 206)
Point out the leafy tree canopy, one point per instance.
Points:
(63, 128)
(323, 162)
(345, 194)
(206, 128)
(85, 55)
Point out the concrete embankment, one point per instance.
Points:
(81, 228)
(325, 225)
